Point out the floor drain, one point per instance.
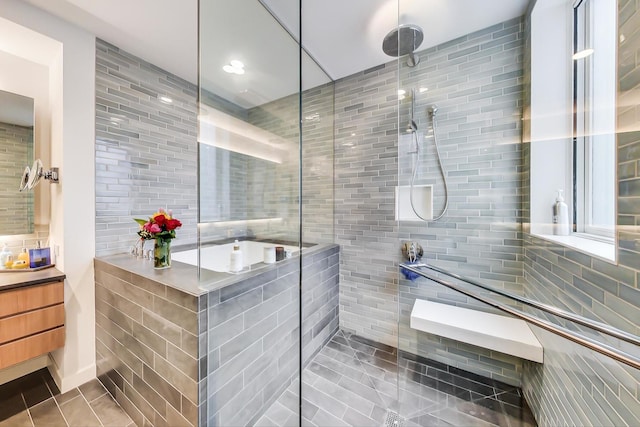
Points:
(393, 420)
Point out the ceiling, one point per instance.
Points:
(343, 37)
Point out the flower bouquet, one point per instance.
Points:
(161, 227)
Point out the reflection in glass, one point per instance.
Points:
(16, 151)
(249, 184)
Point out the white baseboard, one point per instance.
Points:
(68, 382)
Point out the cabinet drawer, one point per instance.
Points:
(19, 300)
(31, 322)
(30, 347)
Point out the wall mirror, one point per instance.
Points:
(16, 151)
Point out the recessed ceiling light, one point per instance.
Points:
(582, 54)
(166, 99)
(234, 67)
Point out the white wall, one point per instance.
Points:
(72, 92)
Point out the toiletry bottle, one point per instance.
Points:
(560, 216)
(236, 259)
(4, 255)
(24, 256)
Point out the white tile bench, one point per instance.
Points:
(495, 332)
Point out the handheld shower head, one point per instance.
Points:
(432, 110)
(413, 127)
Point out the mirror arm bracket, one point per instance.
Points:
(51, 175)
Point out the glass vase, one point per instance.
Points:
(162, 253)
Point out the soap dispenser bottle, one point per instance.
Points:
(560, 216)
(235, 265)
(4, 256)
(23, 259)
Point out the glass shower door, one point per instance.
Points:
(249, 185)
(459, 206)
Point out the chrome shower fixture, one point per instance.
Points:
(404, 40)
(431, 112)
(413, 127)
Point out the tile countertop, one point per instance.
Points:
(9, 280)
(181, 276)
(184, 277)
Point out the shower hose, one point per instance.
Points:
(442, 172)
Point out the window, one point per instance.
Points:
(594, 83)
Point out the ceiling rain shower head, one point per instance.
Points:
(404, 40)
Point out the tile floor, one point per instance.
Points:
(352, 382)
(34, 400)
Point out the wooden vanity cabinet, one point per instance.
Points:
(31, 321)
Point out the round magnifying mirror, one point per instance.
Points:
(35, 175)
(24, 182)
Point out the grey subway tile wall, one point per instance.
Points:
(16, 213)
(146, 347)
(281, 117)
(628, 136)
(146, 150)
(576, 386)
(252, 335)
(365, 178)
(318, 164)
(476, 83)
(147, 154)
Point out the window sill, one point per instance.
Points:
(603, 250)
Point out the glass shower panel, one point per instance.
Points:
(458, 196)
(249, 163)
(491, 110)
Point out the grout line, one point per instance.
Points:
(60, 410)
(371, 382)
(24, 401)
(91, 407)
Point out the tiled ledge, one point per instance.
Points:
(184, 277)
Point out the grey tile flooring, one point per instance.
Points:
(353, 381)
(34, 400)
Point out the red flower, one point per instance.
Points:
(159, 219)
(172, 224)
